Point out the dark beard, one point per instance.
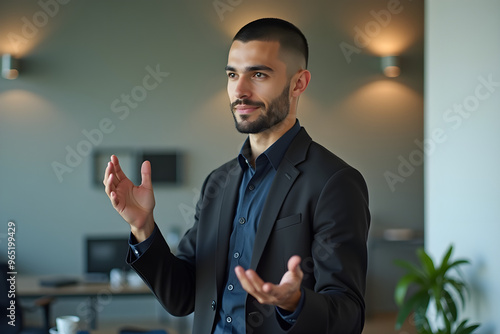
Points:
(276, 112)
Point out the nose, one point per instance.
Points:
(242, 88)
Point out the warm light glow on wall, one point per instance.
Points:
(22, 105)
(23, 28)
(382, 31)
(233, 18)
(13, 41)
(393, 41)
(388, 99)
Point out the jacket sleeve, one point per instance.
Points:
(171, 278)
(339, 256)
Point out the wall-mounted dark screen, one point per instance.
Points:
(165, 167)
(104, 254)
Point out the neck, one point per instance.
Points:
(259, 142)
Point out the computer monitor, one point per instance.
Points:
(106, 253)
(166, 167)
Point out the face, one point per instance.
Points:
(258, 86)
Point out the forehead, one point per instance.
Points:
(253, 53)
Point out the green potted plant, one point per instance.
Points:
(433, 284)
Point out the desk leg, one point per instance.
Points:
(87, 311)
(93, 312)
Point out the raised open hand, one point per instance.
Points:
(134, 203)
(285, 295)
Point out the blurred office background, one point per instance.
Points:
(99, 77)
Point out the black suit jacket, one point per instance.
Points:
(317, 208)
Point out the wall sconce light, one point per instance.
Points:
(390, 66)
(10, 67)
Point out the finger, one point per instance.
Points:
(244, 279)
(114, 199)
(270, 289)
(117, 168)
(109, 185)
(252, 284)
(255, 280)
(146, 175)
(116, 180)
(109, 170)
(111, 191)
(294, 264)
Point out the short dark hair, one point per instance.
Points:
(272, 29)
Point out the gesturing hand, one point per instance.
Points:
(285, 295)
(134, 203)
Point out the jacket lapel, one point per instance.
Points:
(283, 181)
(226, 216)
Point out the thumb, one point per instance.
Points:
(294, 264)
(146, 175)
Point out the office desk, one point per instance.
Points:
(116, 331)
(29, 287)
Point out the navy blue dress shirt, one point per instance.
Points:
(254, 187)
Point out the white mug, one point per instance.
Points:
(117, 278)
(67, 324)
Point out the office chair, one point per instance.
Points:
(9, 306)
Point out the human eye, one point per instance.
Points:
(260, 75)
(231, 75)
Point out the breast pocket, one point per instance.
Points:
(287, 222)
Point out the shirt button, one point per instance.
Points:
(230, 287)
(236, 255)
(242, 220)
(213, 305)
(228, 320)
(251, 187)
(136, 252)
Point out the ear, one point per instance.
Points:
(303, 78)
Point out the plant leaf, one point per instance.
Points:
(450, 305)
(411, 268)
(444, 262)
(415, 303)
(402, 287)
(459, 287)
(455, 264)
(421, 322)
(470, 329)
(427, 263)
(462, 329)
(437, 291)
(457, 269)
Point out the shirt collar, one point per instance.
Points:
(275, 152)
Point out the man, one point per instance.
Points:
(279, 236)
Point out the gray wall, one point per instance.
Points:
(462, 183)
(81, 57)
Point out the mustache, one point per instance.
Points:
(247, 102)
